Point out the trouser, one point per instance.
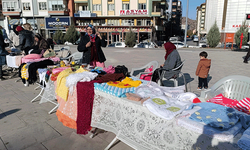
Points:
(247, 56)
(1, 71)
(155, 76)
(202, 82)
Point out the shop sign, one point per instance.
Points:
(57, 23)
(134, 12)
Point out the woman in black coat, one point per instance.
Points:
(90, 44)
(3, 54)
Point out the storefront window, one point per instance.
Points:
(113, 22)
(98, 22)
(128, 22)
(26, 6)
(42, 6)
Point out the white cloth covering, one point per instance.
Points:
(85, 76)
(165, 107)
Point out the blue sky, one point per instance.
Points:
(191, 8)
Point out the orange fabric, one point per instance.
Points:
(66, 121)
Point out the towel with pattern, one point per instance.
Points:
(116, 91)
(243, 105)
(220, 99)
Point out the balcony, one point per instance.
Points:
(87, 14)
(58, 11)
(11, 11)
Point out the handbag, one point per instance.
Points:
(49, 53)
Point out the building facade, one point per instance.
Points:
(229, 16)
(113, 18)
(200, 19)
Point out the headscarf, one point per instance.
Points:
(91, 36)
(39, 36)
(169, 47)
(14, 29)
(19, 28)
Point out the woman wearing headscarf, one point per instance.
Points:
(90, 44)
(39, 44)
(172, 60)
(3, 54)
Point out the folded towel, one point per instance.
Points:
(244, 141)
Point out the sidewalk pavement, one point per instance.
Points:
(26, 125)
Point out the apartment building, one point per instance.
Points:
(113, 18)
(228, 15)
(43, 15)
(200, 19)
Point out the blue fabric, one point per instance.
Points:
(4, 34)
(244, 141)
(116, 91)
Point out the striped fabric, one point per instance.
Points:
(244, 105)
(221, 100)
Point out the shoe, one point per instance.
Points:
(2, 78)
(198, 88)
(246, 62)
(205, 88)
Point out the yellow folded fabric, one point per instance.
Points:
(24, 72)
(62, 90)
(126, 83)
(80, 70)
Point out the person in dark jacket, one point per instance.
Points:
(172, 60)
(26, 39)
(3, 54)
(39, 44)
(51, 43)
(90, 44)
(247, 56)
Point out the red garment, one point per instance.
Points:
(169, 47)
(244, 105)
(94, 56)
(85, 99)
(221, 100)
(92, 37)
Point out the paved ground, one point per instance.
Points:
(25, 125)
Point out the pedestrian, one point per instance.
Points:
(51, 43)
(26, 39)
(247, 56)
(14, 37)
(90, 44)
(3, 54)
(202, 70)
(172, 60)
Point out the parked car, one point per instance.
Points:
(146, 45)
(202, 44)
(196, 38)
(173, 39)
(179, 44)
(117, 44)
(77, 42)
(246, 46)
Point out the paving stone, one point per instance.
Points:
(74, 141)
(36, 147)
(2, 146)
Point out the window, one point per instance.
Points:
(26, 6)
(85, 7)
(111, 7)
(128, 22)
(42, 6)
(142, 6)
(110, 0)
(10, 6)
(97, 7)
(125, 6)
(57, 5)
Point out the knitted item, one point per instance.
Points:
(24, 72)
(126, 83)
(243, 105)
(196, 100)
(85, 98)
(62, 89)
(215, 115)
(110, 77)
(109, 69)
(243, 142)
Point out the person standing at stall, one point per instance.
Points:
(90, 44)
(3, 54)
(26, 39)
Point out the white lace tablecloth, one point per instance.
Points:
(139, 128)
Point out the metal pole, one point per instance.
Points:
(33, 17)
(185, 43)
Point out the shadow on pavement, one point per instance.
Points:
(5, 114)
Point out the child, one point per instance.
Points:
(202, 70)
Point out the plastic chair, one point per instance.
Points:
(137, 72)
(175, 78)
(77, 57)
(234, 87)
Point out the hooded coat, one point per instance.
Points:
(26, 39)
(203, 68)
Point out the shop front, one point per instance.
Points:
(56, 23)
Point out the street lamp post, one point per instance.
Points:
(185, 43)
(33, 17)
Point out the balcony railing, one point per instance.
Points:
(58, 9)
(11, 10)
